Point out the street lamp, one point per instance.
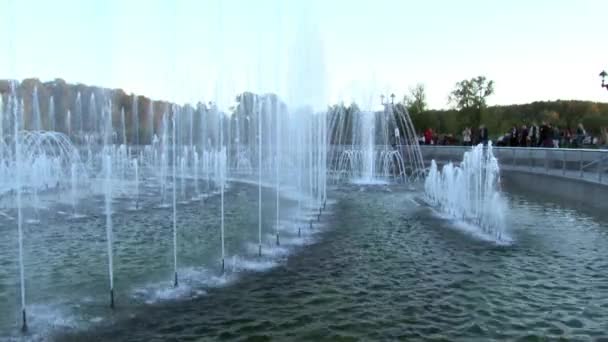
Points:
(603, 75)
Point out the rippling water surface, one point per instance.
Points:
(383, 268)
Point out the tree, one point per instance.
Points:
(469, 96)
(416, 100)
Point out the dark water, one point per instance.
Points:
(388, 269)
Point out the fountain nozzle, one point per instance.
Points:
(278, 243)
(112, 299)
(260, 250)
(175, 282)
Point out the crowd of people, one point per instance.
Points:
(543, 135)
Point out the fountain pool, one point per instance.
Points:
(384, 267)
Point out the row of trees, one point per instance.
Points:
(470, 109)
(468, 100)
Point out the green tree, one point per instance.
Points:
(469, 96)
(415, 101)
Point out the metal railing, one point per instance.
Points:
(585, 164)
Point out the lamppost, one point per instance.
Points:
(603, 75)
(382, 97)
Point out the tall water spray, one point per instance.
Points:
(106, 120)
(135, 118)
(278, 162)
(174, 152)
(136, 172)
(368, 135)
(68, 123)
(1, 121)
(78, 114)
(123, 127)
(107, 163)
(259, 139)
(222, 153)
(36, 116)
(92, 116)
(17, 113)
(196, 165)
(151, 121)
(52, 121)
(470, 191)
(164, 156)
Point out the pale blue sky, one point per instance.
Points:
(186, 50)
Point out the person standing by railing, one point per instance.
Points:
(428, 136)
(533, 135)
(555, 136)
(513, 136)
(523, 136)
(568, 137)
(546, 134)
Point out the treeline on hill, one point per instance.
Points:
(470, 109)
(65, 99)
(142, 115)
(499, 119)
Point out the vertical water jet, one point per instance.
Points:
(17, 112)
(174, 152)
(259, 118)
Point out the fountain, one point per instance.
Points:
(85, 154)
(470, 192)
(368, 147)
(96, 160)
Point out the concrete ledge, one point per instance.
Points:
(571, 192)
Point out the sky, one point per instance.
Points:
(311, 51)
